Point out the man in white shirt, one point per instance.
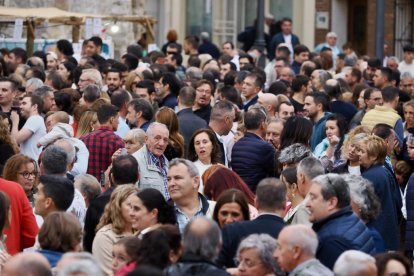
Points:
(33, 129)
(407, 64)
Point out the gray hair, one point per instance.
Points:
(203, 242)
(91, 93)
(394, 58)
(88, 184)
(194, 73)
(294, 153)
(265, 245)
(406, 75)
(363, 194)
(138, 135)
(303, 236)
(192, 169)
(331, 34)
(151, 127)
(54, 160)
(334, 185)
(68, 146)
(350, 60)
(83, 267)
(94, 75)
(323, 76)
(353, 262)
(220, 109)
(310, 167)
(35, 62)
(43, 91)
(35, 82)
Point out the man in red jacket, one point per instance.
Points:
(23, 227)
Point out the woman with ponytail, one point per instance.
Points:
(149, 210)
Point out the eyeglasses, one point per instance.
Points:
(27, 175)
(203, 91)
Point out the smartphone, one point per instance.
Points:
(123, 151)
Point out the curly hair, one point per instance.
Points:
(351, 138)
(215, 152)
(168, 117)
(5, 135)
(13, 165)
(113, 209)
(375, 147)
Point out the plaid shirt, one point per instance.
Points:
(162, 166)
(101, 143)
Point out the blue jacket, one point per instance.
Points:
(169, 101)
(409, 204)
(250, 103)
(253, 159)
(276, 40)
(340, 232)
(318, 131)
(53, 257)
(388, 192)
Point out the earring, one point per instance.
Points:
(293, 195)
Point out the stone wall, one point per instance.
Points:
(129, 32)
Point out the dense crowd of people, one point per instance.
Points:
(207, 162)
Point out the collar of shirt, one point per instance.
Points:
(182, 218)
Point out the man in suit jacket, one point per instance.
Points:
(270, 203)
(285, 36)
(252, 157)
(188, 121)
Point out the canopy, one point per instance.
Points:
(34, 16)
(58, 15)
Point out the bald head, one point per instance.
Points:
(27, 264)
(300, 238)
(202, 237)
(200, 227)
(61, 117)
(331, 82)
(303, 236)
(269, 102)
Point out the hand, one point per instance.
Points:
(333, 140)
(116, 154)
(4, 257)
(14, 117)
(396, 146)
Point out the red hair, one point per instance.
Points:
(223, 179)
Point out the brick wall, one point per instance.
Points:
(325, 5)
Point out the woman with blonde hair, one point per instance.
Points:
(87, 123)
(23, 170)
(115, 224)
(408, 108)
(350, 151)
(135, 76)
(175, 148)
